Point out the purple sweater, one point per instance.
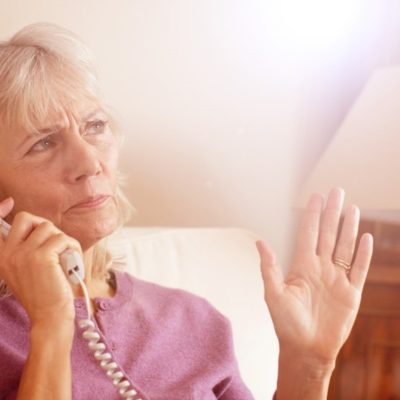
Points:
(172, 345)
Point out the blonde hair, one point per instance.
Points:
(45, 70)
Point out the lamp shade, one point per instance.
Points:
(364, 155)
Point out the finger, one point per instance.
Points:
(309, 227)
(22, 226)
(347, 240)
(330, 222)
(58, 243)
(271, 273)
(40, 234)
(362, 261)
(6, 206)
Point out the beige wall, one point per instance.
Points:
(222, 123)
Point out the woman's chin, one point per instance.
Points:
(90, 230)
(89, 237)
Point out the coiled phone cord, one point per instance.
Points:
(98, 348)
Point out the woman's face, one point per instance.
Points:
(67, 174)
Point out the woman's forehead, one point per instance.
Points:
(61, 118)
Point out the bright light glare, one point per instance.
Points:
(313, 24)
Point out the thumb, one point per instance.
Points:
(271, 272)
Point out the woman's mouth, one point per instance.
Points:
(92, 202)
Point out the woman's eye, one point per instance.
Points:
(43, 144)
(96, 127)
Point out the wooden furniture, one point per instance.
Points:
(368, 366)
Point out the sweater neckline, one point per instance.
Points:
(121, 295)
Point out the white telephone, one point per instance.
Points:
(73, 267)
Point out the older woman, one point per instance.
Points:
(59, 190)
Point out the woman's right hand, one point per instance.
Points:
(29, 264)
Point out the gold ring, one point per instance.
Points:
(342, 264)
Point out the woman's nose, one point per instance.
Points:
(82, 159)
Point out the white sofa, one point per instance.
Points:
(221, 265)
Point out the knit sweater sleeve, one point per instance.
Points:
(232, 386)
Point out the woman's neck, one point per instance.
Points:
(97, 286)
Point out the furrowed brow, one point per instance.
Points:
(50, 129)
(92, 114)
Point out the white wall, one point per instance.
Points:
(336, 75)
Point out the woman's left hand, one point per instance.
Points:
(314, 307)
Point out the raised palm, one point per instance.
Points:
(314, 307)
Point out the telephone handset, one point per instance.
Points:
(73, 267)
(70, 260)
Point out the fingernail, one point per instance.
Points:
(7, 204)
(338, 190)
(354, 209)
(369, 238)
(7, 199)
